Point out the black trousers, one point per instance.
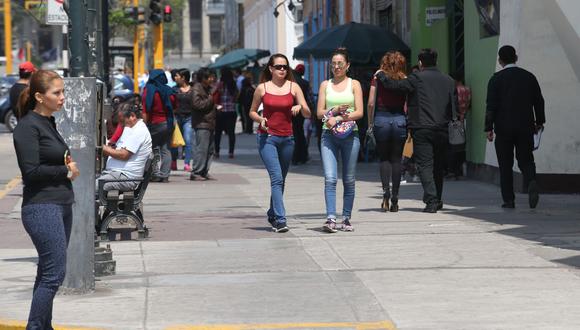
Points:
(429, 152)
(300, 154)
(225, 122)
(523, 142)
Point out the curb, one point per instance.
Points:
(21, 325)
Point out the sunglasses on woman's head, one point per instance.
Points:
(280, 67)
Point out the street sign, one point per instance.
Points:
(119, 62)
(55, 14)
(433, 14)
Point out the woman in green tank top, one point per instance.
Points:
(340, 104)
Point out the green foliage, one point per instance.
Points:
(119, 24)
(172, 30)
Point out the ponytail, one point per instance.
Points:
(25, 103)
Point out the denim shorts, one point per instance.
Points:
(390, 126)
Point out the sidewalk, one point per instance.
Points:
(212, 260)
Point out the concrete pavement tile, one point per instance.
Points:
(288, 297)
(478, 298)
(231, 257)
(322, 253)
(428, 251)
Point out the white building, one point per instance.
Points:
(278, 34)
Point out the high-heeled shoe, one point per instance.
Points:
(385, 204)
(394, 205)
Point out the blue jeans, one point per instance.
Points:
(348, 149)
(160, 139)
(49, 227)
(276, 153)
(390, 126)
(184, 123)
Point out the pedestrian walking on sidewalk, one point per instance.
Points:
(432, 103)
(388, 122)
(203, 122)
(282, 99)
(515, 112)
(158, 105)
(340, 105)
(183, 112)
(227, 94)
(47, 173)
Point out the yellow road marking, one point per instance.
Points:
(9, 186)
(19, 325)
(382, 325)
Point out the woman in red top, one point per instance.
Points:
(282, 99)
(389, 125)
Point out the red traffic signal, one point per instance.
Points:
(167, 14)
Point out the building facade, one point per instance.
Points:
(204, 27)
(467, 35)
(273, 25)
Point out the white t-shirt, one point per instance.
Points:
(137, 140)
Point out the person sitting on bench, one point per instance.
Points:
(127, 159)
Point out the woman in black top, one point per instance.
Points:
(47, 171)
(183, 113)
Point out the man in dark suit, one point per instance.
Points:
(431, 104)
(515, 111)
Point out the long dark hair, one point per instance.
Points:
(185, 74)
(266, 75)
(40, 82)
(227, 79)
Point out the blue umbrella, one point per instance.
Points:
(239, 58)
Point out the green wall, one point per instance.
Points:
(434, 36)
(480, 63)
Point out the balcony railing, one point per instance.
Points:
(215, 7)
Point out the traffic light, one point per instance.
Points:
(167, 14)
(135, 14)
(156, 16)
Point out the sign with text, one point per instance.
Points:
(55, 14)
(433, 14)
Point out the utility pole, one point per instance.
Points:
(80, 121)
(8, 36)
(136, 49)
(78, 39)
(158, 46)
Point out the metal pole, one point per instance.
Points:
(77, 125)
(105, 43)
(65, 57)
(136, 52)
(78, 39)
(8, 36)
(158, 46)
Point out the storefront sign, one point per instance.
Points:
(433, 14)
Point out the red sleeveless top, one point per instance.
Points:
(277, 109)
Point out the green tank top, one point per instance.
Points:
(334, 98)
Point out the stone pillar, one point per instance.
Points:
(187, 49)
(205, 31)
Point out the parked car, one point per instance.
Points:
(122, 88)
(7, 116)
(6, 82)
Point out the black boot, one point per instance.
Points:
(394, 204)
(385, 204)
